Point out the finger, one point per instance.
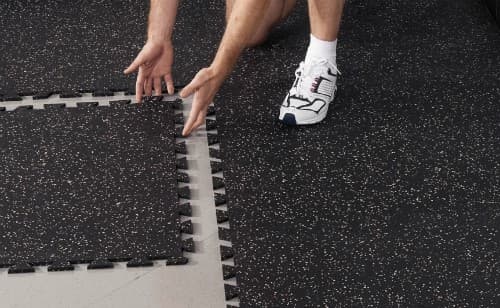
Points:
(193, 116)
(196, 83)
(148, 86)
(188, 127)
(200, 120)
(157, 86)
(170, 84)
(195, 126)
(134, 66)
(139, 86)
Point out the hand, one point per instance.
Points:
(154, 63)
(204, 86)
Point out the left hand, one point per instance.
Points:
(204, 86)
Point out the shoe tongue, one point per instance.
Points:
(303, 88)
(313, 69)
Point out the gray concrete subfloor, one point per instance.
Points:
(197, 284)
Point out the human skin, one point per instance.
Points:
(324, 18)
(244, 18)
(154, 62)
(277, 12)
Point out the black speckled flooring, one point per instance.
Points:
(60, 46)
(88, 184)
(392, 201)
(494, 6)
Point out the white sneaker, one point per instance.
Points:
(313, 90)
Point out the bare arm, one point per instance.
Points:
(155, 60)
(241, 25)
(162, 15)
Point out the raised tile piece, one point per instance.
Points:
(90, 184)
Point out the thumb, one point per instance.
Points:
(139, 60)
(198, 81)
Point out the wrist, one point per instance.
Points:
(160, 42)
(160, 37)
(224, 61)
(218, 72)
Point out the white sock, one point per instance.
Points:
(319, 49)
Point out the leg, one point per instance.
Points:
(278, 11)
(324, 16)
(315, 85)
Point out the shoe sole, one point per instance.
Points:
(289, 119)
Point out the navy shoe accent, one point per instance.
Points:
(289, 119)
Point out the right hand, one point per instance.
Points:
(154, 63)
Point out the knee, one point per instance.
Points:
(259, 37)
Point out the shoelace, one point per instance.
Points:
(304, 80)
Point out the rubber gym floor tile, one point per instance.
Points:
(393, 199)
(59, 47)
(91, 184)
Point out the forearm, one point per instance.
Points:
(240, 28)
(162, 15)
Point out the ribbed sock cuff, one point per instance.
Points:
(319, 49)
